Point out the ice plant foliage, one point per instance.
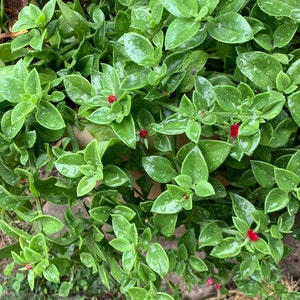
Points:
(126, 69)
(252, 235)
(234, 130)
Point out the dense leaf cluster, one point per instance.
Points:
(199, 99)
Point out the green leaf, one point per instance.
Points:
(139, 49)
(175, 124)
(197, 263)
(242, 208)
(261, 246)
(65, 289)
(48, 116)
(210, 235)
(49, 223)
(172, 7)
(113, 176)
(276, 200)
(100, 214)
(157, 259)
(68, 165)
(124, 211)
(240, 225)
(193, 130)
(9, 129)
(125, 131)
(288, 8)
(51, 273)
(32, 85)
(137, 293)
(78, 88)
(294, 106)
(92, 154)
(166, 223)
(263, 173)
(121, 244)
(180, 31)
(286, 180)
(74, 19)
(276, 249)
(9, 201)
(284, 33)
(228, 97)
(163, 296)
(22, 110)
(230, 28)
(159, 168)
(204, 189)
(166, 204)
(194, 165)
(261, 68)
(85, 185)
(13, 232)
(228, 248)
(294, 163)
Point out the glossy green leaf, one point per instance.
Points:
(175, 124)
(294, 163)
(166, 223)
(261, 246)
(180, 31)
(263, 173)
(228, 97)
(261, 68)
(137, 293)
(32, 84)
(157, 259)
(193, 130)
(204, 189)
(113, 176)
(230, 28)
(276, 249)
(163, 296)
(159, 168)
(294, 106)
(276, 200)
(9, 201)
(139, 49)
(166, 204)
(85, 185)
(21, 111)
(210, 235)
(120, 244)
(48, 116)
(286, 180)
(172, 7)
(78, 88)
(100, 214)
(74, 19)
(229, 247)
(49, 223)
(242, 208)
(195, 166)
(197, 263)
(288, 8)
(284, 33)
(125, 131)
(9, 129)
(51, 273)
(241, 225)
(13, 232)
(11, 89)
(69, 163)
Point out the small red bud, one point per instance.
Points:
(252, 235)
(234, 130)
(28, 266)
(210, 281)
(143, 133)
(111, 99)
(217, 286)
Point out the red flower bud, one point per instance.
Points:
(210, 281)
(217, 286)
(111, 99)
(252, 235)
(143, 133)
(234, 130)
(28, 266)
